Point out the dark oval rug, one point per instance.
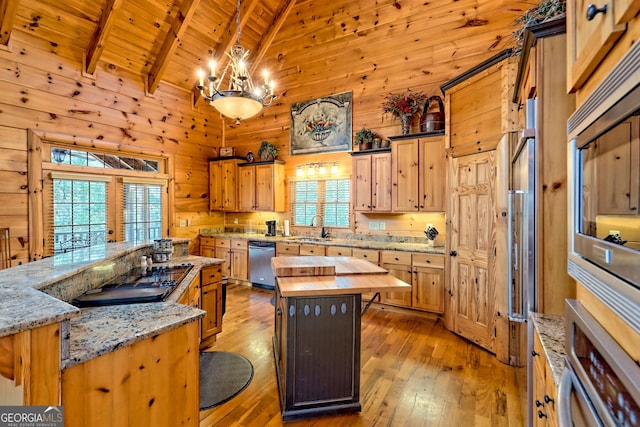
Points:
(222, 376)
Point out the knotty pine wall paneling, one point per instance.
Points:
(47, 92)
(371, 49)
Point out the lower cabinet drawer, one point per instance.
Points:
(427, 260)
(395, 257)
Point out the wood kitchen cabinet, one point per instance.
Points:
(208, 246)
(371, 255)
(261, 187)
(418, 171)
(427, 282)
(371, 181)
(311, 249)
(398, 264)
(287, 249)
(239, 259)
(339, 251)
(191, 296)
(223, 251)
(425, 273)
(591, 35)
(235, 252)
(544, 390)
(223, 190)
(211, 302)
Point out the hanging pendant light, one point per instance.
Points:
(237, 97)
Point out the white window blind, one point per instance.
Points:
(79, 213)
(143, 208)
(328, 198)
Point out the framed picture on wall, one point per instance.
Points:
(321, 125)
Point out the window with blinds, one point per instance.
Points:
(143, 209)
(79, 214)
(328, 198)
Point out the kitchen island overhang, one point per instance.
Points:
(317, 331)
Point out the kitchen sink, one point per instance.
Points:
(307, 239)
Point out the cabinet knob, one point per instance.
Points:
(548, 399)
(453, 253)
(592, 11)
(542, 415)
(539, 404)
(535, 353)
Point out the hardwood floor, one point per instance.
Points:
(413, 373)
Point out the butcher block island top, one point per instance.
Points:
(322, 275)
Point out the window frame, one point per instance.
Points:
(320, 204)
(40, 166)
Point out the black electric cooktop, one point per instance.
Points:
(138, 285)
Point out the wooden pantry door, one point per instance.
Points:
(472, 244)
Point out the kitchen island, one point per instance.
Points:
(120, 364)
(317, 331)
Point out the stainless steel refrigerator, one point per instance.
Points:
(523, 297)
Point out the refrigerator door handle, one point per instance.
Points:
(516, 314)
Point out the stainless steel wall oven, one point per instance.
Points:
(601, 385)
(604, 171)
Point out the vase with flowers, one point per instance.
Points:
(404, 106)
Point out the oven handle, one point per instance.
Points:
(568, 384)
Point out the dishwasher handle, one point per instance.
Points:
(260, 244)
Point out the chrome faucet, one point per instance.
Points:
(317, 216)
(324, 233)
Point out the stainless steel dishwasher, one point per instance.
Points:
(260, 273)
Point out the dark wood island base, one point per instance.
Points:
(317, 354)
(316, 343)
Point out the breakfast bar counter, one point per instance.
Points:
(317, 331)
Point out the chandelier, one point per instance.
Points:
(236, 97)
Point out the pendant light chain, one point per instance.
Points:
(238, 23)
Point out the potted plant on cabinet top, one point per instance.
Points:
(404, 106)
(364, 139)
(267, 151)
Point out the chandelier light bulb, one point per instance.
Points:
(212, 67)
(201, 76)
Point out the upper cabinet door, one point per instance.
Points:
(404, 176)
(592, 30)
(626, 10)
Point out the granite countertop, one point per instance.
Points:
(550, 329)
(353, 243)
(101, 330)
(92, 331)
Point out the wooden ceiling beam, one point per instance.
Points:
(8, 10)
(96, 46)
(171, 42)
(229, 40)
(274, 28)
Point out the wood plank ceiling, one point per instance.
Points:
(160, 41)
(165, 41)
